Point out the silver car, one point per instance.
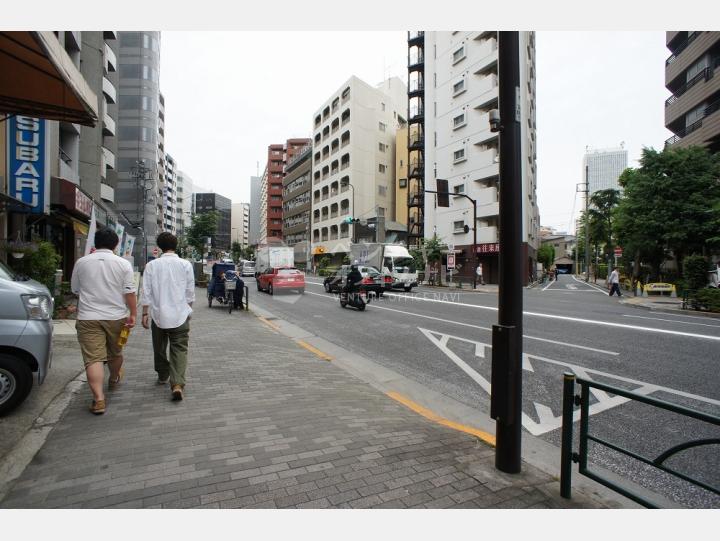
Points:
(26, 331)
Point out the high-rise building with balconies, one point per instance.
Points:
(354, 161)
(692, 112)
(255, 209)
(453, 86)
(240, 224)
(297, 205)
(272, 186)
(140, 133)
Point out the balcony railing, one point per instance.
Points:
(680, 48)
(414, 34)
(705, 74)
(687, 130)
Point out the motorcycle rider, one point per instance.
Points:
(353, 278)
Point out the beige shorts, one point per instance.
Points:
(99, 339)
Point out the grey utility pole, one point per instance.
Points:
(506, 379)
(587, 226)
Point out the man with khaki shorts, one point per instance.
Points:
(106, 289)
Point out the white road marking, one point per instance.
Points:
(571, 286)
(674, 321)
(546, 418)
(551, 282)
(596, 288)
(462, 324)
(575, 319)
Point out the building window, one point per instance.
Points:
(382, 126)
(382, 191)
(459, 121)
(381, 211)
(459, 87)
(382, 147)
(458, 55)
(459, 155)
(459, 226)
(381, 168)
(402, 183)
(382, 106)
(459, 188)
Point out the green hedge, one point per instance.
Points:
(327, 271)
(709, 298)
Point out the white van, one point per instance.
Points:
(248, 268)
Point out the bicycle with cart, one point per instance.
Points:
(223, 285)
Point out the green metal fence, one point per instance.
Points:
(570, 400)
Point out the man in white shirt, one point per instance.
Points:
(614, 281)
(106, 289)
(168, 295)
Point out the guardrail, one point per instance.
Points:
(570, 400)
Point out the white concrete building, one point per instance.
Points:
(604, 167)
(184, 207)
(262, 208)
(353, 168)
(240, 224)
(454, 93)
(255, 194)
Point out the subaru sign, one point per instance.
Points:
(29, 162)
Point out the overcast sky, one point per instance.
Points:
(228, 95)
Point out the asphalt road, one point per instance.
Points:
(442, 339)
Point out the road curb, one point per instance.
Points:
(18, 458)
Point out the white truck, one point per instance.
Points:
(267, 257)
(391, 259)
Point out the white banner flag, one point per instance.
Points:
(120, 230)
(90, 243)
(129, 245)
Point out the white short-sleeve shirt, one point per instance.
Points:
(168, 289)
(101, 280)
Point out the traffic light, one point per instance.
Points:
(443, 199)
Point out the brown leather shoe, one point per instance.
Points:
(177, 392)
(113, 383)
(97, 407)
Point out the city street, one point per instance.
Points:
(441, 339)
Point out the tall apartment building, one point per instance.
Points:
(255, 209)
(140, 138)
(354, 160)
(183, 211)
(692, 112)
(297, 206)
(401, 177)
(453, 85)
(272, 185)
(209, 202)
(240, 223)
(169, 196)
(603, 168)
(79, 159)
(264, 199)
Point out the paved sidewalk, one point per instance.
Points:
(265, 424)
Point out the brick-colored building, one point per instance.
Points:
(278, 156)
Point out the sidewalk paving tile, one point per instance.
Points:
(264, 424)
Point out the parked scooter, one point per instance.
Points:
(356, 299)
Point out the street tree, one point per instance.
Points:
(670, 204)
(237, 250)
(546, 255)
(203, 225)
(604, 203)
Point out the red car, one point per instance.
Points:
(281, 278)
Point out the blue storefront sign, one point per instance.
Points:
(29, 162)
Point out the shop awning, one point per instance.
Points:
(40, 80)
(10, 204)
